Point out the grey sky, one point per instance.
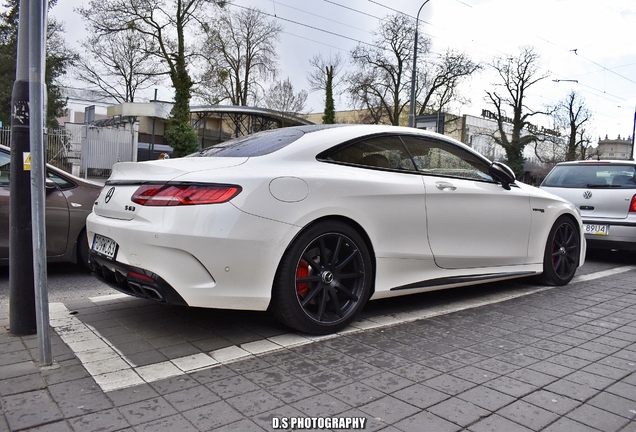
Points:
(583, 40)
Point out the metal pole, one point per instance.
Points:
(412, 108)
(151, 156)
(631, 153)
(37, 26)
(22, 320)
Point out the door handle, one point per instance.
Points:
(444, 186)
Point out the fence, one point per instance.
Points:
(56, 146)
(85, 150)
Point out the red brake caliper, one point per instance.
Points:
(302, 272)
(554, 258)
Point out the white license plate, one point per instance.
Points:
(596, 229)
(104, 246)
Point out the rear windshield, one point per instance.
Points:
(592, 176)
(260, 143)
(257, 144)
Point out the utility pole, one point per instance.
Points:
(22, 320)
(37, 97)
(27, 244)
(413, 78)
(631, 152)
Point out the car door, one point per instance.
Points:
(472, 221)
(57, 215)
(392, 192)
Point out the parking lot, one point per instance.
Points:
(507, 356)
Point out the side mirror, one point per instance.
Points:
(502, 173)
(49, 184)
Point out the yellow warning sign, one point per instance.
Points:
(26, 157)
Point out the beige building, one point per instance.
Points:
(350, 116)
(213, 123)
(619, 148)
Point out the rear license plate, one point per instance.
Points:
(596, 229)
(104, 245)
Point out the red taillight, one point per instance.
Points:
(632, 205)
(184, 194)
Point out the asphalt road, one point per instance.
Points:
(67, 281)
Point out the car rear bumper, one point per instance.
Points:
(204, 263)
(134, 281)
(622, 235)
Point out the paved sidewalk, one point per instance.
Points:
(561, 359)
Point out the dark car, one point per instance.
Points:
(68, 201)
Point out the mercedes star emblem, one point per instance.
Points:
(109, 195)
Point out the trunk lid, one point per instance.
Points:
(598, 203)
(114, 200)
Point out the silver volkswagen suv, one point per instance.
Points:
(605, 193)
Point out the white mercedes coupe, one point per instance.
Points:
(311, 222)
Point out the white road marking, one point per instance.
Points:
(112, 370)
(602, 274)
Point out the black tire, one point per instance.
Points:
(324, 279)
(82, 250)
(562, 252)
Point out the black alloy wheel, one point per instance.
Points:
(324, 279)
(561, 257)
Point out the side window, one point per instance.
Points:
(60, 181)
(445, 159)
(5, 165)
(382, 152)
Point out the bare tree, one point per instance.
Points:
(318, 75)
(321, 77)
(568, 139)
(166, 26)
(571, 113)
(381, 82)
(281, 98)
(439, 85)
(585, 145)
(517, 74)
(240, 52)
(550, 149)
(118, 65)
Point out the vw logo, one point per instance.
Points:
(109, 195)
(587, 194)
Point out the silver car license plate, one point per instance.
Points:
(596, 229)
(104, 245)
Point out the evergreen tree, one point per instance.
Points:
(321, 78)
(8, 43)
(58, 60)
(329, 116)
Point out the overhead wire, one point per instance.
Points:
(308, 26)
(599, 93)
(323, 17)
(575, 51)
